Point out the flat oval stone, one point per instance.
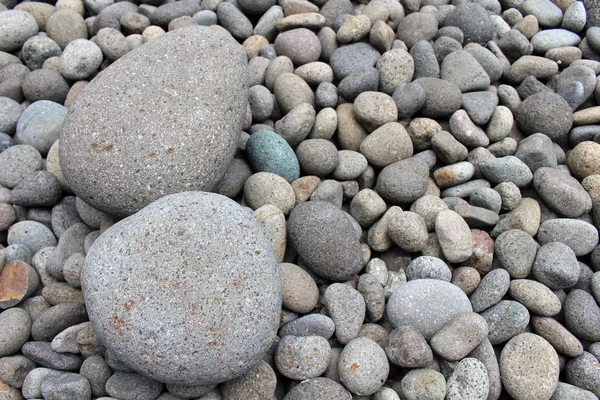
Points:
(529, 366)
(460, 336)
(580, 236)
(536, 296)
(202, 266)
(563, 193)
(426, 304)
(111, 154)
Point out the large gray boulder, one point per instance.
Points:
(165, 118)
(186, 291)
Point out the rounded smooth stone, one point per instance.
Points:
(549, 39)
(556, 266)
(298, 289)
(302, 357)
(407, 348)
(325, 239)
(563, 193)
(64, 26)
(130, 385)
(16, 27)
(38, 49)
(454, 235)
(202, 330)
(269, 152)
(80, 59)
(11, 111)
(374, 109)
(346, 60)
(580, 236)
(474, 21)
(423, 384)
(66, 386)
(17, 325)
(403, 181)
(408, 231)
(529, 367)
(363, 366)
(386, 145)
(545, 112)
(45, 84)
(582, 315)
(267, 188)
(32, 234)
(428, 267)
(317, 157)
(309, 325)
(417, 26)
(40, 124)
(426, 304)
(537, 297)
(291, 91)
(460, 336)
(505, 319)
(442, 97)
(583, 372)
(122, 187)
(318, 389)
(301, 45)
(584, 159)
(16, 162)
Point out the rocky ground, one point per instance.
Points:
(299, 200)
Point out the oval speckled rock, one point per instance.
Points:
(529, 366)
(182, 296)
(426, 304)
(110, 152)
(325, 239)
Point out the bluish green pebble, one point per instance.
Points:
(269, 152)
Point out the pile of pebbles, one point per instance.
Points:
(300, 200)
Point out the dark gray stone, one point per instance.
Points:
(537, 151)
(403, 181)
(90, 165)
(309, 325)
(318, 389)
(442, 97)
(130, 385)
(580, 236)
(168, 12)
(363, 80)
(41, 353)
(505, 319)
(97, 372)
(66, 386)
(348, 59)
(474, 21)
(545, 112)
(56, 319)
(325, 240)
(409, 99)
(582, 315)
(37, 189)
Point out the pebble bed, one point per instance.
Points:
(300, 200)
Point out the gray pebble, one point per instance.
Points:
(64, 215)
(505, 319)
(301, 45)
(460, 336)
(427, 267)
(557, 335)
(42, 354)
(403, 181)
(516, 251)
(37, 189)
(582, 315)
(13, 370)
(462, 69)
(17, 27)
(563, 193)
(583, 373)
(366, 79)
(491, 290)
(395, 67)
(40, 125)
(66, 386)
(442, 97)
(579, 235)
(33, 382)
(351, 58)
(374, 109)
(347, 309)
(260, 381)
(423, 383)
(295, 126)
(31, 234)
(454, 236)
(426, 65)
(132, 386)
(45, 84)
(318, 389)
(547, 13)
(537, 297)
(506, 169)
(363, 366)
(38, 49)
(291, 91)
(556, 266)
(564, 391)
(309, 325)
(545, 112)
(474, 21)
(406, 347)
(18, 329)
(302, 357)
(17, 162)
(409, 99)
(468, 380)
(529, 367)
(428, 314)
(466, 132)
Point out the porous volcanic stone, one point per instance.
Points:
(186, 291)
(172, 123)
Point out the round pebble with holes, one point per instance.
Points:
(186, 291)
